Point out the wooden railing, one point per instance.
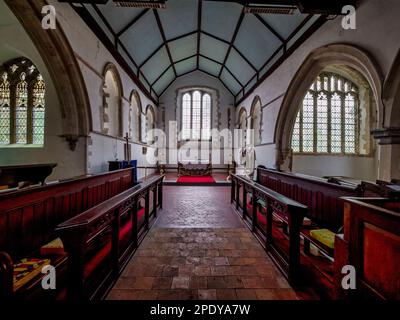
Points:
(101, 240)
(281, 240)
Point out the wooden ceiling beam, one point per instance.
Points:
(238, 24)
(161, 29)
(132, 22)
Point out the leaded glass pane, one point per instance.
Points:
(296, 135)
(308, 123)
(186, 115)
(5, 112)
(336, 123)
(196, 115)
(322, 123)
(206, 121)
(334, 126)
(21, 111)
(350, 124)
(38, 114)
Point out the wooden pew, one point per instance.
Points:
(28, 217)
(371, 243)
(323, 197)
(284, 248)
(101, 240)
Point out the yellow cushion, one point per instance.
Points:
(324, 236)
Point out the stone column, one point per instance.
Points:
(389, 152)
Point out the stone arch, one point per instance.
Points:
(111, 69)
(59, 58)
(335, 54)
(256, 120)
(391, 95)
(135, 102)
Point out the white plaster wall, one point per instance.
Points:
(92, 57)
(377, 32)
(16, 43)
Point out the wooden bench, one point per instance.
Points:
(371, 243)
(285, 251)
(28, 218)
(323, 197)
(101, 240)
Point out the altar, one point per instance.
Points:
(194, 169)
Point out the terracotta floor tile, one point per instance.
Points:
(162, 283)
(226, 294)
(246, 294)
(197, 282)
(180, 282)
(209, 294)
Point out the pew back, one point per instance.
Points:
(28, 217)
(372, 229)
(101, 240)
(322, 198)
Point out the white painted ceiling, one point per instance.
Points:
(236, 47)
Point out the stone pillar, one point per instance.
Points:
(389, 153)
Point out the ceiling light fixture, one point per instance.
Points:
(257, 8)
(149, 4)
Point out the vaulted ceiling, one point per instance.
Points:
(218, 38)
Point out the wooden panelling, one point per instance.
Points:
(28, 217)
(322, 198)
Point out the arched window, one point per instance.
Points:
(196, 115)
(328, 120)
(135, 130)
(242, 125)
(150, 124)
(112, 101)
(256, 115)
(5, 110)
(22, 103)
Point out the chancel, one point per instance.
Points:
(200, 149)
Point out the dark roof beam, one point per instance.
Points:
(161, 29)
(238, 24)
(132, 22)
(199, 16)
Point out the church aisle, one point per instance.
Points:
(199, 249)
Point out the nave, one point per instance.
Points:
(200, 249)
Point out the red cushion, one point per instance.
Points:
(261, 218)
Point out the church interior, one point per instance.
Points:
(199, 150)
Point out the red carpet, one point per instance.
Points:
(196, 179)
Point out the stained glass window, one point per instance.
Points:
(38, 112)
(21, 111)
(206, 117)
(22, 103)
(196, 115)
(186, 116)
(327, 121)
(5, 110)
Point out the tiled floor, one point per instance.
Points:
(199, 249)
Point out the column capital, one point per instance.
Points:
(386, 136)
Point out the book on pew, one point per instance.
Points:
(55, 247)
(324, 236)
(27, 269)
